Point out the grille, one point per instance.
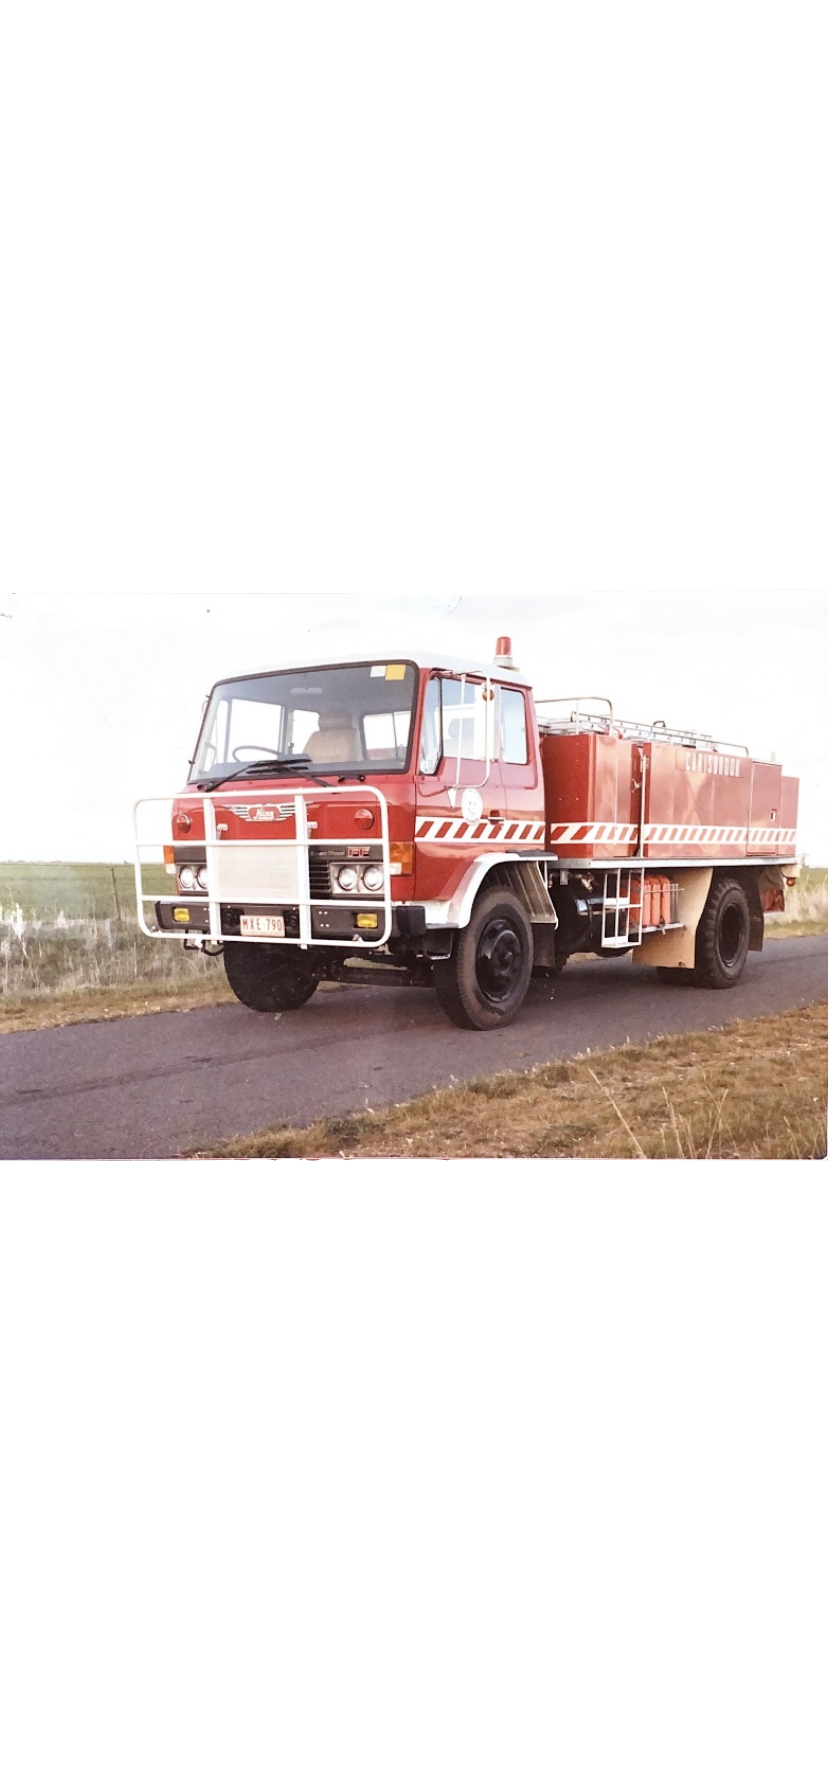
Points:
(320, 881)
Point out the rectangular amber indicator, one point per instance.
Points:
(181, 914)
(395, 672)
(401, 856)
(367, 920)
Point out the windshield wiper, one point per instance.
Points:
(296, 764)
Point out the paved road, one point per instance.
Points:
(152, 1086)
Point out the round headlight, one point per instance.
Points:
(202, 877)
(347, 877)
(187, 877)
(372, 877)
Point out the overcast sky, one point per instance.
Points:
(103, 699)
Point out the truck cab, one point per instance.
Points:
(336, 809)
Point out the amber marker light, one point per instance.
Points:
(401, 858)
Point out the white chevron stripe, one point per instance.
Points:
(601, 832)
(583, 834)
(459, 832)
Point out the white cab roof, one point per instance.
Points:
(441, 662)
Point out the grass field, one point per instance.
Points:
(71, 950)
(78, 892)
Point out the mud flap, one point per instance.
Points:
(678, 949)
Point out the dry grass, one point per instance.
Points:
(72, 958)
(35, 1013)
(806, 908)
(755, 1089)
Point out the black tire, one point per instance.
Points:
(723, 937)
(268, 978)
(484, 983)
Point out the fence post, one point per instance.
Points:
(118, 914)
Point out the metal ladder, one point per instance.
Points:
(623, 905)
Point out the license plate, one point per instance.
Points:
(271, 927)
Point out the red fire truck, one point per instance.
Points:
(430, 822)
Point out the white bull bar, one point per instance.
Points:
(281, 868)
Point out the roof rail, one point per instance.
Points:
(586, 721)
(679, 737)
(578, 716)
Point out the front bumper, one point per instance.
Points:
(335, 926)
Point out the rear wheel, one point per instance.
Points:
(484, 983)
(270, 979)
(723, 936)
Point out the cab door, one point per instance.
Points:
(459, 788)
(517, 737)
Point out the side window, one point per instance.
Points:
(303, 723)
(431, 745)
(513, 745)
(386, 736)
(466, 720)
(456, 718)
(253, 726)
(215, 749)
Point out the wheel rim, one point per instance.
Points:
(732, 932)
(499, 960)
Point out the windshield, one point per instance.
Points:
(353, 719)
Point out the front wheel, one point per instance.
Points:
(270, 979)
(484, 983)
